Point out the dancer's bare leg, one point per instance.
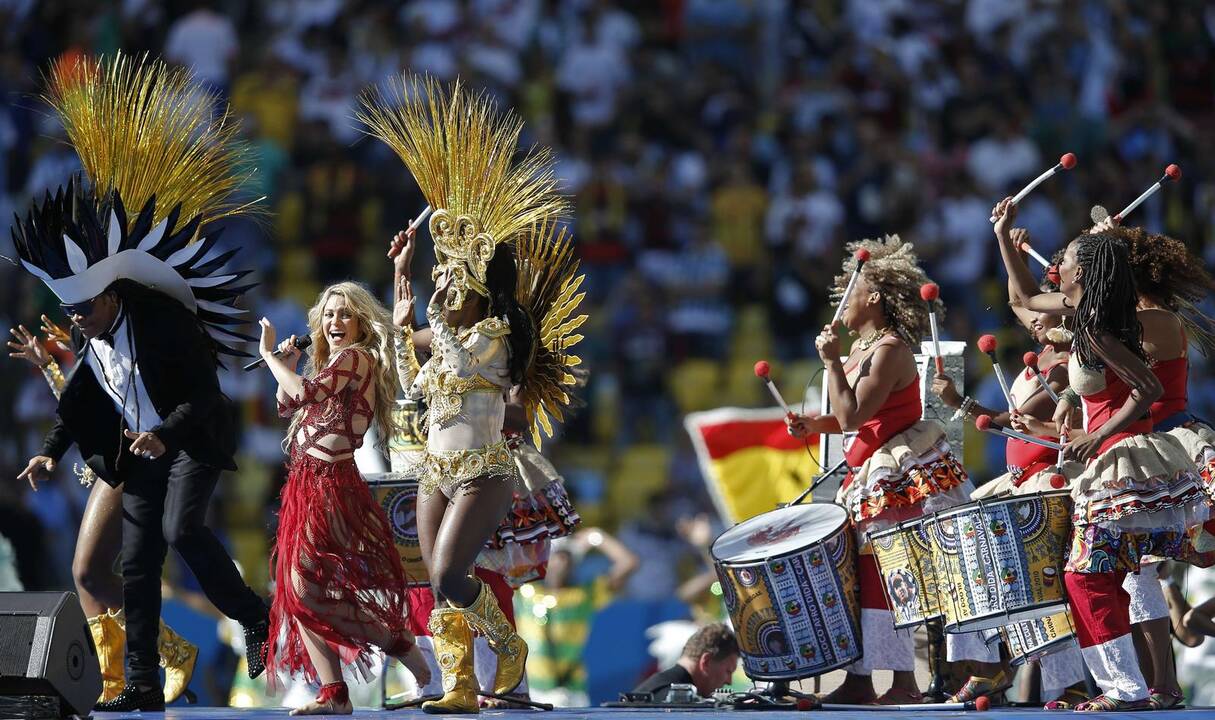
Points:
(97, 547)
(471, 518)
(855, 690)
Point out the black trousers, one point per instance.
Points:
(164, 502)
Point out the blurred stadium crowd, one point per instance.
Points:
(719, 152)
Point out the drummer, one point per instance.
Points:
(1171, 282)
(899, 465)
(1031, 468)
(1139, 496)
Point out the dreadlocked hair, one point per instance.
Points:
(501, 279)
(1108, 303)
(894, 270)
(1168, 274)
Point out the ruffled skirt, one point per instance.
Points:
(336, 570)
(542, 511)
(912, 466)
(1141, 500)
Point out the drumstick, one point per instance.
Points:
(984, 423)
(862, 256)
(417, 222)
(980, 704)
(761, 371)
(1031, 361)
(1034, 254)
(929, 292)
(987, 344)
(1067, 162)
(1172, 172)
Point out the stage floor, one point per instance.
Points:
(206, 713)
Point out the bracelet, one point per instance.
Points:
(1071, 396)
(968, 406)
(54, 377)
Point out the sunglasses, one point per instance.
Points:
(83, 309)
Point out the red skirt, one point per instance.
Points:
(336, 570)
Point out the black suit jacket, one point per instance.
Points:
(177, 362)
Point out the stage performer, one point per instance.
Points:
(1171, 282)
(518, 552)
(1031, 468)
(149, 311)
(501, 316)
(339, 584)
(900, 466)
(97, 547)
(1139, 496)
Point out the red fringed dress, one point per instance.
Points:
(335, 567)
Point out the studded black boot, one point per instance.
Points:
(256, 638)
(132, 699)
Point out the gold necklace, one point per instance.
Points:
(871, 339)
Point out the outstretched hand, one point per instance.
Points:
(146, 444)
(28, 347)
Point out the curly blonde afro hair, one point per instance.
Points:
(894, 270)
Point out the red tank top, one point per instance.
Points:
(1173, 375)
(1101, 406)
(900, 411)
(1029, 457)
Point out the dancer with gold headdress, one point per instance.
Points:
(500, 317)
(900, 466)
(150, 312)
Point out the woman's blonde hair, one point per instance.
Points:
(375, 338)
(894, 270)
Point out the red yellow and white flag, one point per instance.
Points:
(749, 461)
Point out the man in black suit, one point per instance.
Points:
(145, 408)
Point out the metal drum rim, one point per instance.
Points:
(994, 620)
(731, 562)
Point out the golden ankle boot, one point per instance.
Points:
(110, 641)
(177, 657)
(489, 620)
(454, 653)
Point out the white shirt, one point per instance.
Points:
(118, 374)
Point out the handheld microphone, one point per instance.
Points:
(302, 342)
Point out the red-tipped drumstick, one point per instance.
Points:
(1035, 254)
(929, 292)
(984, 423)
(1172, 172)
(987, 344)
(862, 256)
(1067, 162)
(1031, 362)
(761, 371)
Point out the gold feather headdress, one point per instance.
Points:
(549, 290)
(150, 141)
(462, 153)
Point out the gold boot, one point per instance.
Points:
(177, 657)
(489, 620)
(110, 641)
(454, 652)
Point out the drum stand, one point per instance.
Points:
(936, 691)
(818, 481)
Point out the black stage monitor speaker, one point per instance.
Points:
(46, 652)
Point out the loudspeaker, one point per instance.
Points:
(46, 651)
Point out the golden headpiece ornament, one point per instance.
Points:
(549, 290)
(461, 151)
(162, 159)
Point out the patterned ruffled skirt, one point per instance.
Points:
(1139, 501)
(542, 511)
(336, 570)
(911, 467)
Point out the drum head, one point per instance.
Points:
(778, 532)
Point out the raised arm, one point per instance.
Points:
(1023, 291)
